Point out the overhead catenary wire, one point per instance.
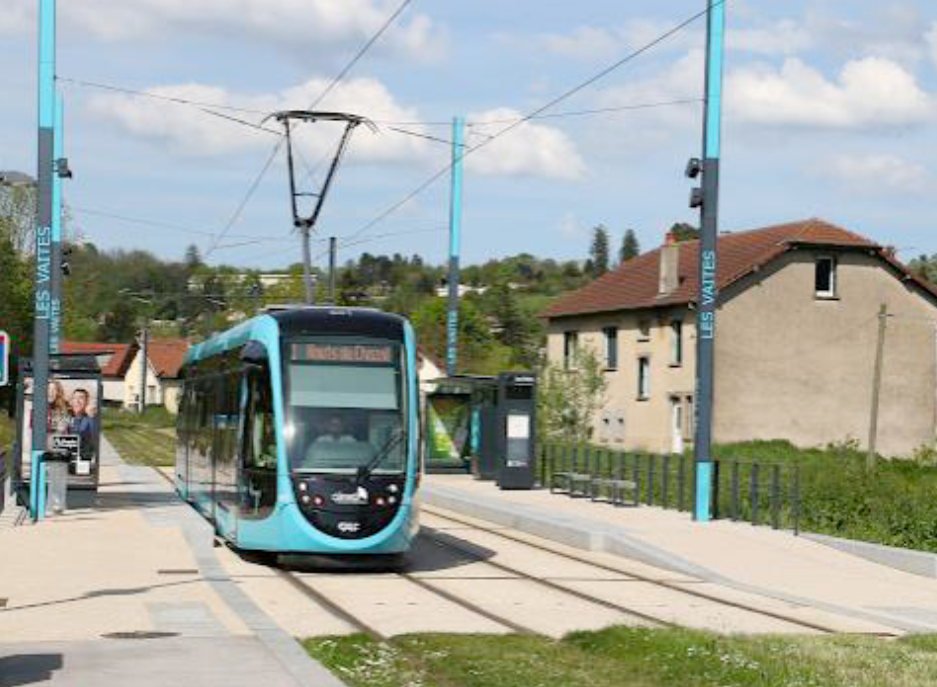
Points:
(535, 113)
(279, 144)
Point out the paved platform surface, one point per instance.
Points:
(130, 591)
(754, 560)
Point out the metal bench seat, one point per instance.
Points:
(566, 482)
(614, 488)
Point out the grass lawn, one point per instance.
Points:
(624, 657)
(148, 440)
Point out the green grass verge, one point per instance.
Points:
(627, 657)
(147, 440)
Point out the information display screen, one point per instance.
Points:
(343, 353)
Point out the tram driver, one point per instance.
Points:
(334, 430)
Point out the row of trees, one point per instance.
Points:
(600, 258)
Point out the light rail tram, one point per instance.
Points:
(298, 433)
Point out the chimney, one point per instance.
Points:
(669, 266)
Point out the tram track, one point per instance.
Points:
(738, 605)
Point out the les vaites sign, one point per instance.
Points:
(4, 358)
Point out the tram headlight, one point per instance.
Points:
(305, 498)
(392, 488)
(392, 500)
(303, 486)
(379, 500)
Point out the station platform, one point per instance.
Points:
(130, 591)
(772, 564)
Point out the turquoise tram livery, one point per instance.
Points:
(298, 432)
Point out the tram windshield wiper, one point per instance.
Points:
(365, 470)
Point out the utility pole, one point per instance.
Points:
(144, 362)
(876, 386)
(455, 229)
(332, 249)
(707, 199)
(55, 321)
(43, 291)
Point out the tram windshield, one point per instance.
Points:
(346, 407)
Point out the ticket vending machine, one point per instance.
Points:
(516, 430)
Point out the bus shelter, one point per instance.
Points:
(75, 398)
(454, 422)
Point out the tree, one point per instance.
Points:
(599, 251)
(630, 248)
(567, 399)
(682, 231)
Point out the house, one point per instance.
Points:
(163, 383)
(113, 358)
(797, 329)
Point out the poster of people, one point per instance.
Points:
(72, 426)
(448, 430)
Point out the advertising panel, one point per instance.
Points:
(73, 426)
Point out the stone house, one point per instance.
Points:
(163, 383)
(797, 329)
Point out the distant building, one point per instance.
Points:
(163, 383)
(797, 328)
(114, 359)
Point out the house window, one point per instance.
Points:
(676, 343)
(825, 277)
(611, 348)
(570, 345)
(644, 378)
(644, 330)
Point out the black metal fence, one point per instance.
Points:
(761, 493)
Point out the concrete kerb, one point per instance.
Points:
(200, 537)
(908, 560)
(590, 535)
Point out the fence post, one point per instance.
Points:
(754, 495)
(775, 496)
(665, 481)
(796, 499)
(715, 503)
(650, 479)
(681, 479)
(637, 479)
(735, 490)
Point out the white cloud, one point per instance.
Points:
(932, 43)
(784, 37)
(871, 92)
(878, 173)
(17, 16)
(527, 150)
(302, 27)
(570, 227)
(188, 131)
(595, 43)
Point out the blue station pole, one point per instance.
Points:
(455, 230)
(709, 232)
(55, 323)
(43, 292)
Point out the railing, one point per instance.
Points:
(756, 492)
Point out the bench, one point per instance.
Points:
(615, 489)
(570, 483)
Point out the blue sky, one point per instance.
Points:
(831, 111)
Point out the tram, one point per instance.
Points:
(298, 432)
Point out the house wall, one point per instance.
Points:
(172, 393)
(154, 392)
(791, 366)
(625, 421)
(114, 392)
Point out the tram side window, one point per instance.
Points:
(261, 440)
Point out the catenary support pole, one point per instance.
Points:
(144, 363)
(307, 268)
(332, 249)
(55, 321)
(876, 385)
(709, 229)
(43, 253)
(455, 230)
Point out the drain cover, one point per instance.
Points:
(139, 634)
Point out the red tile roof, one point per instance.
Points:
(166, 356)
(120, 354)
(634, 284)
